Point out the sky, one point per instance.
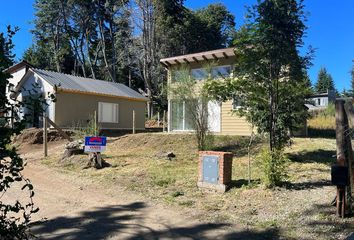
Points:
(330, 31)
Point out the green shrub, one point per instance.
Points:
(274, 167)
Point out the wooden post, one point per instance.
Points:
(45, 136)
(342, 155)
(164, 121)
(133, 121)
(158, 119)
(95, 122)
(12, 117)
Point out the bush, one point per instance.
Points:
(274, 167)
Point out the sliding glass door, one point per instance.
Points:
(181, 117)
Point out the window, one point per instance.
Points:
(221, 72)
(181, 119)
(108, 112)
(237, 102)
(199, 74)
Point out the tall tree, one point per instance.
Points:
(269, 70)
(14, 216)
(351, 91)
(324, 81)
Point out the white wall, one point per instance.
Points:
(33, 85)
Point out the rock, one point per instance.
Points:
(73, 148)
(166, 155)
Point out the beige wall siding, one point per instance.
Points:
(231, 124)
(72, 109)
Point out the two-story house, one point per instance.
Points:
(221, 117)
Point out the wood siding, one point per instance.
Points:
(231, 124)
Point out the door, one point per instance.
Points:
(210, 169)
(214, 116)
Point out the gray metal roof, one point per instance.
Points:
(87, 85)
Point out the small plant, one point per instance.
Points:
(274, 167)
(89, 129)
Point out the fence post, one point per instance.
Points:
(133, 121)
(343, 145)
(164, 121)
(95, 122)
(158, 119)
(45, 136)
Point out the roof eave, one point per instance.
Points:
(64, 90)
(203, 56)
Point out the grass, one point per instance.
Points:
(300, 209)
(322, 123)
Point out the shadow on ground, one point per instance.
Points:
(127, 222)
(307, 185)
(318, 156)
(243, 183)
(324, 223)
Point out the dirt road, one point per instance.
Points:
(76, 208)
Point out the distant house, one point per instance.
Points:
(221, 119)
(77, 99)
(320, 101)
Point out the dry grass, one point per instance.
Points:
(299, 210)
(322, 122)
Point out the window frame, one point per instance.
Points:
(100, 112)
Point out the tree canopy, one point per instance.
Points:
(269, 74)
(122, 41)
(324, 81)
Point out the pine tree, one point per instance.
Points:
(324, 81)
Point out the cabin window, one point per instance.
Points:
(237, 102)
(319, 101)
(221, 72)
(199, 74)
(108, 112)
(181, 118)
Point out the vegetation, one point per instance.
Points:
(288, 210)
(269, 74)
(324, 81)
(322, 123)
(14, 217)
(122, 41)
(274, 167)
(196, 100)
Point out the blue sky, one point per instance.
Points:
(330, 31)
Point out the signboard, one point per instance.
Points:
(95, 144)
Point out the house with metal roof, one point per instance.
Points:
(216, 64)
(72, 101)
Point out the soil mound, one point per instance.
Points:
(35, 136)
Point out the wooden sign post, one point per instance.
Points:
(344, 158)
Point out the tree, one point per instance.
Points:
(324, 81)
(351, 91)
(14, 217)
(269, 71)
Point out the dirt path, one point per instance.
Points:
(76, 208)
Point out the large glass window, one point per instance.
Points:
(181, 116)
(221, 72)
(199, 74)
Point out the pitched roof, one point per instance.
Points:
(76, 84)
(17, 66)
(201, 56)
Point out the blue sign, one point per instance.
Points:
(95, 144)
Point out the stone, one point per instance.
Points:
(73, 148)
(166, 155)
